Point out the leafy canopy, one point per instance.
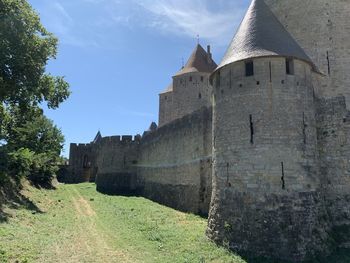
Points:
(30, 144)
(25, 48)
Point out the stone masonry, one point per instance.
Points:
(260, 143)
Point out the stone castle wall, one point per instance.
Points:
(165, 108)
(265, 177)
(272, 155)
(333, 133)
(322, 29)
(82, 159)
(171, 165)
(175, 163)
(116, 161)
(191, 92)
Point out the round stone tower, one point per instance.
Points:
(265, 179)
(322, 29)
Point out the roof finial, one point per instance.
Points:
(198, 39)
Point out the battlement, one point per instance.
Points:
(80, 145)
(123, 139)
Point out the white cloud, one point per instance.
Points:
(62, 11)
(214, 21)
(192, 17)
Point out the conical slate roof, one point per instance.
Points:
(98, 137)
(262, 35)
(200, 61)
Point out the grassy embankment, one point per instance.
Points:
(77, 224)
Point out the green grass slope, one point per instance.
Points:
(76, 224)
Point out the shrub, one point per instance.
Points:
(43, 169)
(20, 162)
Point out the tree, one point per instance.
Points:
(34, 132)
(30, 144)
(25, 48)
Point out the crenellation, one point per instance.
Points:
(127, 138)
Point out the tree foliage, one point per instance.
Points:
(25, 48)
(30, 144)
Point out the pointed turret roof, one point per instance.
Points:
(200, 61)
(98, 137)
(262, 35)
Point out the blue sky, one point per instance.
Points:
(118, 55)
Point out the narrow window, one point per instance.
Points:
(202, 78)
(165, 97)
(227, 175)
(282, 178)
(270, 68)
(328, 64)
(191, 78)
(249, 68)
(251, 129)
(199, 96)
(124, 161)
(289, 66)
(304, 128)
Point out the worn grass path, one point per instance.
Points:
(77, 224)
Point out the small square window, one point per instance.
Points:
(289, 66)
(249, 68)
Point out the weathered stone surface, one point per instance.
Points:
(322, 29)
(179, 154)
(266, 185)
(117, 183)
(333, 133)
(190, 89)
(286, 227)
(272, 155)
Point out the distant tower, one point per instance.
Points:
(322, 28)
(265, 183)
(190, 89)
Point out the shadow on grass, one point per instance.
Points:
(11, 197)
(3, 216)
